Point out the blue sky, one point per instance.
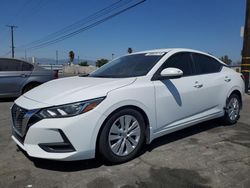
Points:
(212, 26)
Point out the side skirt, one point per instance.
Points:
(178, 126)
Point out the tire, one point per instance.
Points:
(29, 87)
(232, 112)
(122, 136)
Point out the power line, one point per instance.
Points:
(21, 10)
(7, 53)
(17, 15)
(81, 22)
(35, 9)
(84, 28)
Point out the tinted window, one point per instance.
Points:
(205, 64)
(27, 66)
(10, 65)
(128, 66)
(181, 61)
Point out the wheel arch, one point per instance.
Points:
(30, 83)
(140, 110)
(238, 93)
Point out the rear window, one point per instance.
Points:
(205, 64)
(10, 65)
(27, 66)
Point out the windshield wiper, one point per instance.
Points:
(83, 75)
(101, 76)
(110, 76)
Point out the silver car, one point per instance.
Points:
(18, 77)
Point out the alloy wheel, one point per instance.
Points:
(233, 109)
(124, 135)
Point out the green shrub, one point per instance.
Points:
(84, 63)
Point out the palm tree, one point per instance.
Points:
(71, 56)
(130, 50)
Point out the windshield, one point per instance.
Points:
(128, 66)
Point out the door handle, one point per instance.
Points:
(227, 79)
(198, 85)
(23, 75)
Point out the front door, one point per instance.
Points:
(178, 99)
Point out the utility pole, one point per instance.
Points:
(56, 56)
(25, 54)
(245, 63)
(12, 39)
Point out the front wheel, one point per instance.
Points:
(232, 112)
(122, 136)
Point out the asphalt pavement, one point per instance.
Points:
(205, 155)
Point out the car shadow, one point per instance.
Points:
(67, 166)
(9, 99)
(173, 90)
(72, 166)
(63, 166)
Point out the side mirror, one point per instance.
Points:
(171, 73)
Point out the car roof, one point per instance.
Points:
(36, 66)
(15, 59)
(165, 50)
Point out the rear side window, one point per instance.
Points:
(181, 61)
(205, 64)
(10, 65)
(27, 66)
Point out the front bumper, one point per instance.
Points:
(47, 138)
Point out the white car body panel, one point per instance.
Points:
(73, 89)
(169, 105)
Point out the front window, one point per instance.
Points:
(128, 66)
(180, 61)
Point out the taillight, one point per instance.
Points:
(55, 74)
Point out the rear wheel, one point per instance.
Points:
(232, 112)
(122, 137)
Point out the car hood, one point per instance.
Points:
(74, 89)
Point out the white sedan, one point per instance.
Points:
(125, 104)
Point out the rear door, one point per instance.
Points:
(213, 79)
(13, 75)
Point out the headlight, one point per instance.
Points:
(68, 110)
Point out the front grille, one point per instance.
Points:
(18, 115)
(18, 137)
(22, 119)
